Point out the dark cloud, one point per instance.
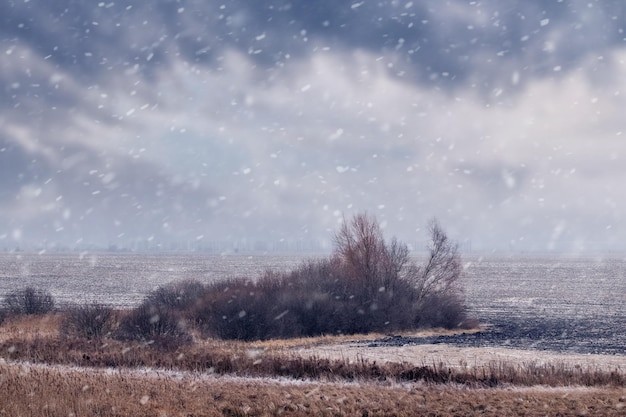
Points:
(441, 44)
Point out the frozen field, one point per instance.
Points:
(568, 305)
(122, 280)
(560, 304)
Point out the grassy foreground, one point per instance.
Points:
(43, 374)
(52, 392)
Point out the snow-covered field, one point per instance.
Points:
(548, 305)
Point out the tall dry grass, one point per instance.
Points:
(36, 339)
(243, 359)
(30, 326)
(42, 391)
(40, 342)
(43, 374)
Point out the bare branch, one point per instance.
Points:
(442, 269)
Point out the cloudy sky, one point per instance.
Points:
(197, 120)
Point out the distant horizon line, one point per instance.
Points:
(465, 250)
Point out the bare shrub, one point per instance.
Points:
(235, 309)
(278, 305)
(177, 295)
(442, 310)
(91, 321)
(156, 326)
(29, 301)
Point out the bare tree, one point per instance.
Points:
(357, 244)
(361, 248)
(379, 274)
(367, 259)
(440, 274)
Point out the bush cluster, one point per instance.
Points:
(154, 325)
(366, 285)
(162, 318)
(301, 303)
(309, 301)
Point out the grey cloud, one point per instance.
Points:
(440, 44)
(102, 195)
(496, 180)
(16, 168)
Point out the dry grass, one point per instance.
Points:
(460, 357)
(29, 327)
(31, 390)
(44, 374)
(237, 359)
(309, 342)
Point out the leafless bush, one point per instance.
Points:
(277, 305)
(235, 309)
(159, 327)
(91, 321)
(29, 301)
(177, 295)
(442, 310)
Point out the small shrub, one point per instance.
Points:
(441, 310)
(232, 309)
(29, 301)
(177, 295)
(91, 321)
(154, 325)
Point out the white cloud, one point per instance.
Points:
(548, 135)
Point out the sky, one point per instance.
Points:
(197, 121)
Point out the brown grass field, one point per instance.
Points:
(43, 374)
